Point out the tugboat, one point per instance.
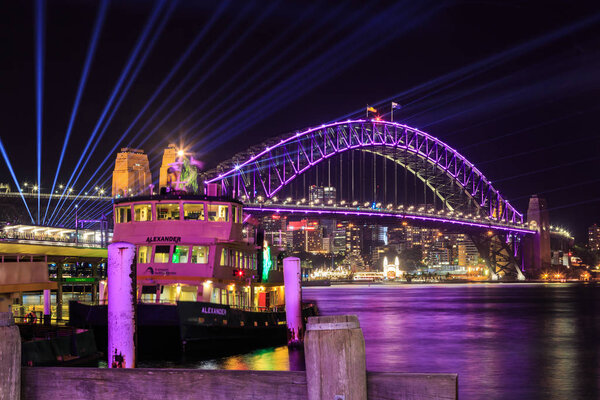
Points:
(204, 277)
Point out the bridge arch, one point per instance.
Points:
(266, 169)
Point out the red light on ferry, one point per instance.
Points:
(240, 273)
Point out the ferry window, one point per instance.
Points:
(193, 212)
(123, 214)
(168, 211)
(218, 213)
(200, 254)
(161, 254)
(142, 212)
(236, 214)
(180, 255)
(144, 253)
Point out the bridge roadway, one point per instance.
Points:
(444, 218)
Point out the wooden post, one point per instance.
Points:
(95, 282)
(10, 358)
(334, 349)
(293, 301)
(59, 290)
(47, 307)
(121, 305)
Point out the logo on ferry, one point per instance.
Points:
(213, 310)
(174, 239)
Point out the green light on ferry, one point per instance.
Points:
(267, 264)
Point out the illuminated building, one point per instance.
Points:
(594, 238)
(275, 227)
(131, 176)
(468, 255)
(305, 235)
(315, 194)
(320, 194)
(314, 237)
(353, 238)
(339, 238)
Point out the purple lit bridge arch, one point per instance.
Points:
(458, 190)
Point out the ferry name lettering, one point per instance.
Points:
(174, 239)
(212, 310)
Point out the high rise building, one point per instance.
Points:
(321, 194)
(131, 176)
(315, 194)
(353, 238)
(468, 255)
(594, 238)
(339, 238)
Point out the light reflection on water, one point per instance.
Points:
(506, 341)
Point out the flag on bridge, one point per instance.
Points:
(372, 109)
(395, 105)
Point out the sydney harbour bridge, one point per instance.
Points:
(382, 172)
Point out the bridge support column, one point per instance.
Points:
(498, 251)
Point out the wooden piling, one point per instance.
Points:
(10, 358)
(334, 349)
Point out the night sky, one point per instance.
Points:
(512, 85)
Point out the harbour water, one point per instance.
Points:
(506, 341)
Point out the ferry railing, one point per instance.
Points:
(277, 308)
(34, 314)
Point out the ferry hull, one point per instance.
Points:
(189, 326)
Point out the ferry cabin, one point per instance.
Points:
(193, 248)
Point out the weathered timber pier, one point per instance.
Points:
(332, 340)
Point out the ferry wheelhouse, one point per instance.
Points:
(195, 248)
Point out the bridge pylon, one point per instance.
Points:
(501, 253)
(536, 249)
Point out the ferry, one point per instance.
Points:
(203, 275)
(368, 276)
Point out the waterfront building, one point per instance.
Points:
(131, 176)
